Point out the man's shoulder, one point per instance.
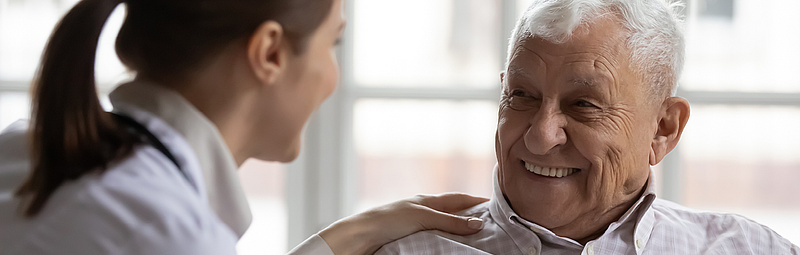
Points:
(716, 231)
(671, 212)
(429, 242)
(438, 242)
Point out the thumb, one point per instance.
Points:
(459, 225)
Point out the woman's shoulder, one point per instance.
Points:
(165, 213)
(140, 202)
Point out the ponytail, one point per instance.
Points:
(70, 133)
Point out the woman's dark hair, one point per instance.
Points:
(70, 133)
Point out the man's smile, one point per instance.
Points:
(556, 172)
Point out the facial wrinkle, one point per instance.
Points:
(603, 66)
(618, 119)
(539, 57)
(614, 158)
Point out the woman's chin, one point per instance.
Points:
(289, 154)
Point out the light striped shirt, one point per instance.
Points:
(650, 226)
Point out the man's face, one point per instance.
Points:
(574, 131)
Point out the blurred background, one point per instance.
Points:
(417, 107)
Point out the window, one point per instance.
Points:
(264, 185)
(740, 152)
(416, 111)
(410, 146)
(715, 8)
(423, 145)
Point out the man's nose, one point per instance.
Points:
(546, 131)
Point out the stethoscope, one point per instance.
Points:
(145, 136)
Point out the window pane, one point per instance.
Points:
(408, 147)
(13, 106)
(263, 183)
(745, 160)
(25, 26)
(743, 52)
(522, 5)
(24, 29)
(715, 8)
(426, 43)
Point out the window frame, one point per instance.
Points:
(314, 202)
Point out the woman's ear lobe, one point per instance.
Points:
(265, 52)
(672, 119)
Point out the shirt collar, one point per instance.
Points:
(512, 222)
(224, 191)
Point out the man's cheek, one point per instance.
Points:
(606, 157)
(616, 122)
(504, 138)
(510, 127)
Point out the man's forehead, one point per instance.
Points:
(584, 64)
(568, 51)
(603, 36)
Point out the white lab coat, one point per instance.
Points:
(141, 204)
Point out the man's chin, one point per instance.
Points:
(550, 219)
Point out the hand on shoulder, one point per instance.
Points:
(366, 232)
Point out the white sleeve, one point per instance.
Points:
(313, 245)
(151, 239)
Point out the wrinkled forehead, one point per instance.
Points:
(600, 42)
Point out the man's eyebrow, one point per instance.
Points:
(589, 81)
(519, 74)
(583, 82)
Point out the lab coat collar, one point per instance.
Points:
(224, 191)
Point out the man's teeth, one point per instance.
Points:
(550, 172)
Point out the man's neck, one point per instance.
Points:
(602, 221)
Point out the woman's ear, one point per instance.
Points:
(266, 52)
(672, 118)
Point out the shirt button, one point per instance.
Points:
(532, 251)
(590, 249)
(639, 243)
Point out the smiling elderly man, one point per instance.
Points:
(586, 109)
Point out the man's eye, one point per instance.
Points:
(584, 103)
(521, 101)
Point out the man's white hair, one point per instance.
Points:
(655, 36)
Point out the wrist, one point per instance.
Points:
(346, 237)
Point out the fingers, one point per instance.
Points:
(366, 232)
(437, 213)
(450, 202)
(459, 225)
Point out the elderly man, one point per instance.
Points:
(586, 109)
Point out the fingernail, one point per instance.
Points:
(475, 223)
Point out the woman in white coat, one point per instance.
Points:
(217, 82)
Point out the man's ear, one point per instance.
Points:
(672, 118)
(266, 51)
